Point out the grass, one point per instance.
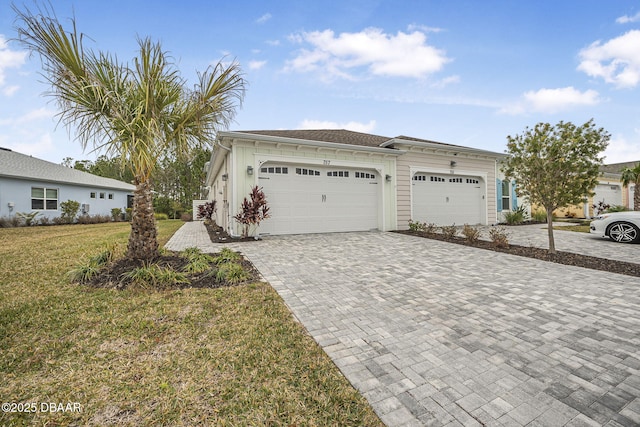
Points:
(230, 356)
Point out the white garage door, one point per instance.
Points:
(316, 199)
(447, 200)
(611, 194)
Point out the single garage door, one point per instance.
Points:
(611, 194)
(317, 199)
(447, 200)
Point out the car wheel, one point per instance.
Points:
(623, 232)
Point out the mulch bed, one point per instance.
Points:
(218, 235)
(567, 258)
(112, 275)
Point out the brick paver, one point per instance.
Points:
(438, 334)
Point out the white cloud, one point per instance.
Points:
(399, 55)
(617, 61)
(29, 117)
(353, 126)
(43, 144)
(256, 65)
(264, 18)
(621, 150)
(446, 82)
(9, 59)
(627, 19)
(10, 90)
(552, 101)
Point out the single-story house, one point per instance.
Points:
(28, 184)
(319, 181)
(609, 190)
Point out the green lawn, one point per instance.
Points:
(231, 356)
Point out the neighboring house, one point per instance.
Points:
(608, 190)
(320, 181)
(28, 184)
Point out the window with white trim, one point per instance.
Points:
(472, 181)
(365, 175)
(342, 174)
(275, 169)
(44, 198)
(419, 177)
(506, 195)
(457, 180)
(436, 179)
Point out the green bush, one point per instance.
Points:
(116, 214)
(516, 216)
(617, 208)
(69, 210)
(161, 216)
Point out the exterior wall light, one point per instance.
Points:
(225, 176)
(249, 170)
(387, 178)
(453, 163)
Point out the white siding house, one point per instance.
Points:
(28, 184)
(318, 181)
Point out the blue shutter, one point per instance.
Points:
(499, 193)
(514, 195)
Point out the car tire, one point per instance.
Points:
(623, 232)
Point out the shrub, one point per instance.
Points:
(45, 220)
(539, 216)
(499, 237)
(10, 222)
(207, 210)
(471, 234)
(226, 255)
(27, 218)
(89, 268)
(69, 210)
(93, 219)
(416, 226)
(186, 217)
(516, 216)
(232, 273)
(58, 221)
(617, 208)
(116, 214)
(161, 216)
(600, 207)
(254, 211)
(154, 276)
(449, 231)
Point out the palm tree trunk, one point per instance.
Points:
(143, 242)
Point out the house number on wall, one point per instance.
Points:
(327, 162)
(324, 198)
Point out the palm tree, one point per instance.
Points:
(138, 113)
(632, 175)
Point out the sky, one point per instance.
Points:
(468, 73)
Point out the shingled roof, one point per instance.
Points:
(21, 166)
(338, 136)
(618, 167)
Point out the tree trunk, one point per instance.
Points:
(143, 242)
(552, 244)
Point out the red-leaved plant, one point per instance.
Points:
(253, 211)
(207, 210)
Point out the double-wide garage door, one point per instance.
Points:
(447, 200)
(318, 199)
(610, 194)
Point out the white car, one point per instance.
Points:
(623, 227)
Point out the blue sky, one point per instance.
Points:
(461, 72)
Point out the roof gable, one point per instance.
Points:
(21, 166)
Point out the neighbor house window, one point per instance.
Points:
(505, 195)
(44, 198)
(92, 194)
(110, 196)
(102, 195)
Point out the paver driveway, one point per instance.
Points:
(434, 333)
